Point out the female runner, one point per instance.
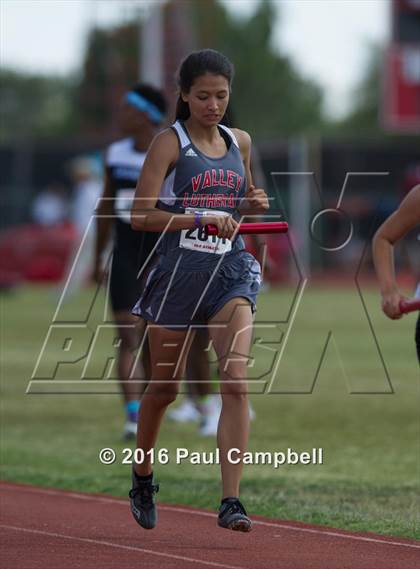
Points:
(197, 173)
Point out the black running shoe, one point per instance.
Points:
(142, 502)
(232, 515)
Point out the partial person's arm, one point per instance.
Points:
(405, 218)
(256, 200)
(104, 222)
(145, 216)
(258, 240)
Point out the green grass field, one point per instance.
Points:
(370, 436)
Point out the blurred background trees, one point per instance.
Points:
(264, 78)
(39, 106)
(36, 105)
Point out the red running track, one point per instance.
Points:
(54, 529)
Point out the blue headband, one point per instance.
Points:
(145, 106)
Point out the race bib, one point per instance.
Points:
(197, 240)
(123, 203)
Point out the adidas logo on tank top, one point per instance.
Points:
(190, 152)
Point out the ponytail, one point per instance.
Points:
(182, 111)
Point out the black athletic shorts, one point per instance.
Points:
(127, 260)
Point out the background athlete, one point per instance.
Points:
(392, 230)
(141, 116)
(197, 173)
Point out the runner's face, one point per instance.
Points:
(208, 98)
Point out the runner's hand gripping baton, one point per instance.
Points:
(251, 228)
(407, 306)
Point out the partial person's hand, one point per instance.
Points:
(391, 304)
(98, 275)
(226, 225)
(257, 199)
(269, 266)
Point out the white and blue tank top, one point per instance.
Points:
(124, 164)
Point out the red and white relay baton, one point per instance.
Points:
(407, 306)
(251, 228)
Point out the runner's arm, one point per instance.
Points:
(405, 218)
(256, 200)
(104, 223)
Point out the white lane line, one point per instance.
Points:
(278, 525)
(118, 546)
(308, 530)
(356, 537)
